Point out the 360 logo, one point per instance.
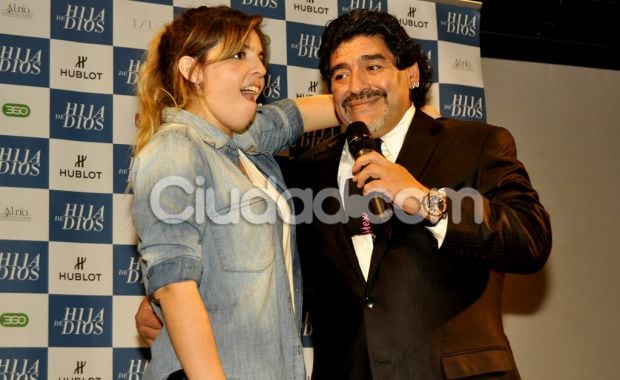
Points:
(13, 320)
(15, 110)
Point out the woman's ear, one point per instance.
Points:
(186, 66)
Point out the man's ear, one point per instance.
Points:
(413, 73)
(186, 64)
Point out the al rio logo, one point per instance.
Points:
(13, 320)
(15, 110)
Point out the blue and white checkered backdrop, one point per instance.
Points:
(70, 280)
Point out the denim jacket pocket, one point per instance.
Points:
(246, 243)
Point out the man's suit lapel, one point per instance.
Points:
(420, 141)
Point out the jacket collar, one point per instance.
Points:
(207, 132)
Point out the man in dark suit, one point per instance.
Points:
(411, 300)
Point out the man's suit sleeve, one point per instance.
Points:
(514, 233)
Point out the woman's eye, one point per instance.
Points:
(239, 55)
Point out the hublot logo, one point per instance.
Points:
(79, 367)
(313, 88)
(80, 173)
(79, 274)
(411, 21)
(81, 158)
(80, 63)
(309, 7)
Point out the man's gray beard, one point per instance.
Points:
(378, 124)
(375, 125)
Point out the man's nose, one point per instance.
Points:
(358, 81)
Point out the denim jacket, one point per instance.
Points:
(191, 216)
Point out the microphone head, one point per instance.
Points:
(359, 139)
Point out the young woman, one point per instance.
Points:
(219, 258)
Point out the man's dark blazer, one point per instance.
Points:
(424, 313)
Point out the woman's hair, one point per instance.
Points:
(364, 22)
(193, 33)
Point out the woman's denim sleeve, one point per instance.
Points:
(277, 126)
(163, 182)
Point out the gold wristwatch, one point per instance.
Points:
(435, 205)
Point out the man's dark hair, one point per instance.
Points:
(376, 23)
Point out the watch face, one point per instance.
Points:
(434, 204)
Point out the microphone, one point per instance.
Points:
(360, 142)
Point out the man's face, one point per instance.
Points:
(367, 86)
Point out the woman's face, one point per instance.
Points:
(230, 87)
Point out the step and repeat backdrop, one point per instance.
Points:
(70, 278)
